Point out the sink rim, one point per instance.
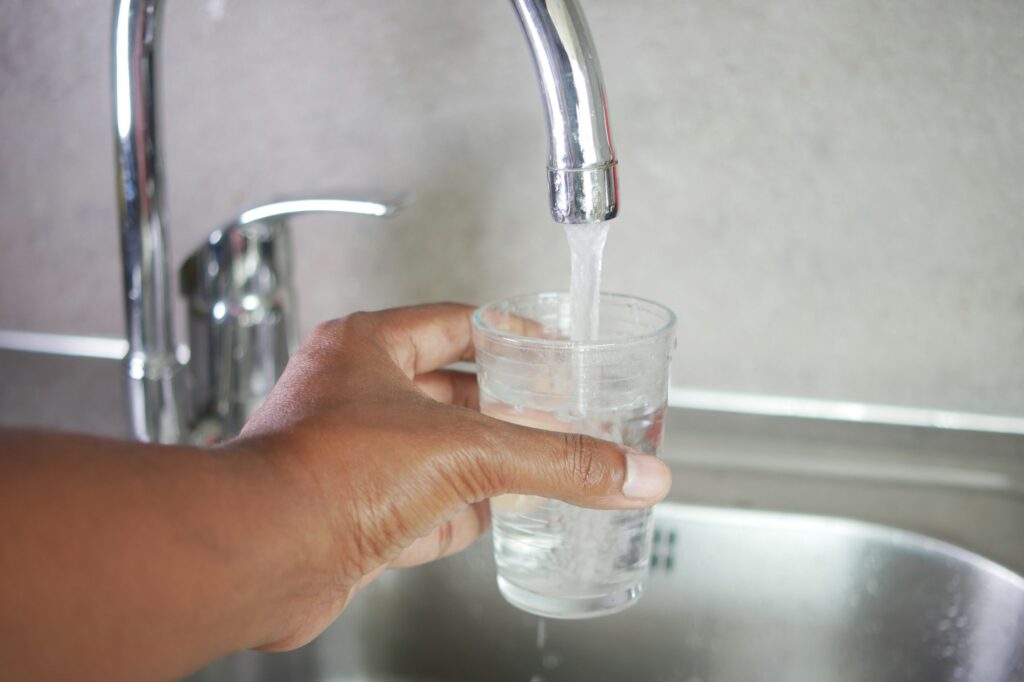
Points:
(848, 527)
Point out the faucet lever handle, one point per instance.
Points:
(241, 309)
(292, 207)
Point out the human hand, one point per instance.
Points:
(387, 462)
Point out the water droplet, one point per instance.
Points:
(948, 651)
(551, 661)
(953, 610)
(944, 624)
(961, 621)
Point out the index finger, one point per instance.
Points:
(423, 338)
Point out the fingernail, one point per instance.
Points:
(646, 476)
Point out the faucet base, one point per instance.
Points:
(155, 387)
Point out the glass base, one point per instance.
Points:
(570, 608)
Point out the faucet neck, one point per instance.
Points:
(155, 382)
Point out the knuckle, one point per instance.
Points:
(480, 472)
(330, 330)
(326, 330)
(477, 479)
(340, 334)
(378, 533)
(583, 459)
(359, 321)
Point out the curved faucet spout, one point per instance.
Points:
(581, 174)
(581, 167)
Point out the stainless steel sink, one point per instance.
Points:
(734, 595)
(756, 578)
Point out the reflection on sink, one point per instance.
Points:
(734, 595)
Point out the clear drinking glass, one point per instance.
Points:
(555, 559)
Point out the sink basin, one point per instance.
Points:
(733, 595)
(756, 576)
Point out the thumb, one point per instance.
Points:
(574, 468)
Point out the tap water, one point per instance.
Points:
(542, 640)
(542, 634)
(586, 251)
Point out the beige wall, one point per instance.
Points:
(831, 195)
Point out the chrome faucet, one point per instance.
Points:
(236, 293)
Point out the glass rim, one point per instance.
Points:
(569, 344)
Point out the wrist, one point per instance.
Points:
(287, 558)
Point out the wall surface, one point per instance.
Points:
(830, 195)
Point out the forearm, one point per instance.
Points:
(131, 561)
